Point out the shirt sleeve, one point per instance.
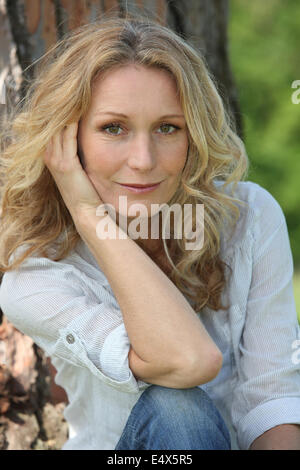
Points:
(268, 389)
(47, 301)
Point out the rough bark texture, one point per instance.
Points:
(10, 70)
(31, 416)
(204, 24)
(31, 404)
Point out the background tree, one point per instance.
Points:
(31, 405)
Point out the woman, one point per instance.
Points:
(158, 346)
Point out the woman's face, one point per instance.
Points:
(134, 133)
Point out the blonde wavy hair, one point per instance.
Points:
(33, 211)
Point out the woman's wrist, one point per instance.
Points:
(94, 228)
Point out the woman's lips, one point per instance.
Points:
(145, 189)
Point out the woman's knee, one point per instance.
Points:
(177, 400)
(183, 407)
(183, 416)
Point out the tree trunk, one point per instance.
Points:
(203, 23)
(30, 417)
(31, 404)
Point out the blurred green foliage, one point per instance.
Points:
(264, 49)
(296, 286)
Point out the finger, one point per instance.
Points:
(57, 148)
(70, 141)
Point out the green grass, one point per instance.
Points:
(297, 291)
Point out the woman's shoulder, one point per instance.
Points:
(259, 214)
(257, 198)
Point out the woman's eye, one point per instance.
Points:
(111, 126)
(167, 126)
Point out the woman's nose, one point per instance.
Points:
(141, 154)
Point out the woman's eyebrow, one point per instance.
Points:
(166, 116)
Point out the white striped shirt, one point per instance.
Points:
(69, 309)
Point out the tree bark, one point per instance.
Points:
(31, 404)
(10, 70)
(203, 23)
(30, 417)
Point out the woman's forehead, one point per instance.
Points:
(132, 83)
(132, 69)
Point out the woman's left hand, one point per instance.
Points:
(74, 185)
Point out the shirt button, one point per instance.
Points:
(70, 339)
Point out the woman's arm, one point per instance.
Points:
(153, 374)
(267, 392)
(163, 329)
(282, 437)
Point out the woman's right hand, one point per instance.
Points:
(75, 187)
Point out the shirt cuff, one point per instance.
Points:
(114, 357)
(70, 348)
(266, 416)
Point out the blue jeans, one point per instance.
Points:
(168, 418)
